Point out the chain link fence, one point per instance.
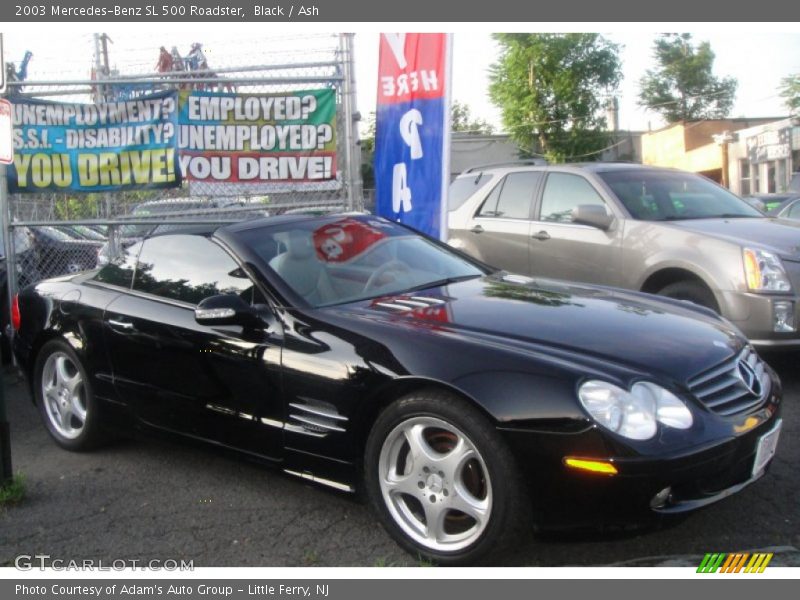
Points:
(50, 234)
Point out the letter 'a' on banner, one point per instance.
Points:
(412, 130)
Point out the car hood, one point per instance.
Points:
(638, 331)
(781, 236)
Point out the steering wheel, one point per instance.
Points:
(392, 265)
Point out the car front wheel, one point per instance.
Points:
(443, 483)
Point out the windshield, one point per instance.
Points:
(88, 233)
(331, 261)
(56, 234)
(673, 196)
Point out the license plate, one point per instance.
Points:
(765, 449)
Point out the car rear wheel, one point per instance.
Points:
(692, 291)
(64, 396)
(441, 480)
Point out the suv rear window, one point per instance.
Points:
(463, 187)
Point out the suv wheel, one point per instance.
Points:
(692, 291)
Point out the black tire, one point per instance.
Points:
(509, 512)
(70, 436)
(693, 291)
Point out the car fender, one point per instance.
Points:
(716, 262)
(507, 398)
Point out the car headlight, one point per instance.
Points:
(634, 414)
(764, 271)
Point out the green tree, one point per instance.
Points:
(461, 119)
(683, 86)
(551, 89)
(790, 92)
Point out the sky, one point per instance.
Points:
(758, 55)
(757, 60)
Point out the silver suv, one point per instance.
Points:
(643, 228)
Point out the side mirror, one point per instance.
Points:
(226, 309)
(593, 215)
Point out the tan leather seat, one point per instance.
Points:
(302, 270)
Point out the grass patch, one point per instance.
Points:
(13, 491)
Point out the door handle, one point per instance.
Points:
(477, 229)
(542, 236)
(123, 325)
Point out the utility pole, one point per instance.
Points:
(101, 64)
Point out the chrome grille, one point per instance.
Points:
(737, 385)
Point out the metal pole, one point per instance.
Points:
(8, 243)
(353, 174)
(6, 472)
(98, 70)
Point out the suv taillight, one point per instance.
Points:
(16, 318)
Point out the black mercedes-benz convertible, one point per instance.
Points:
(349, 350)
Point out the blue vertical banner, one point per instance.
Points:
(412, 134)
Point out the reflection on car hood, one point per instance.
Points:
(637, 330)
(781, 236)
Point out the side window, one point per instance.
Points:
(189, 268)
(120, 270)
(512, 198)
(562, 193)
(489, 206)
(794, 211)
(464, 187)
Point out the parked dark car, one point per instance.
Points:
(351, 351)
(788, 208)
(82, 232)
(772, 203)
(57, 253)
(228, 209)
(26, 274)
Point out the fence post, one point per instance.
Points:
(113, 242)
(5, 431)
(352, 154)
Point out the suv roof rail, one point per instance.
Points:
(531, 162)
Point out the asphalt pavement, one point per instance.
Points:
(150, 499)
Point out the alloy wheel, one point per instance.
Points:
(64, 395)
(435, 484)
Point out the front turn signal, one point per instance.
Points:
(603, 467)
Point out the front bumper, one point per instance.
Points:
(697, 477)
(754, 314)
